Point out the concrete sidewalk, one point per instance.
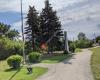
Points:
(76, 68)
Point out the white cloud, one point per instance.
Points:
(14, 5)
(78, 15)
(18, 26)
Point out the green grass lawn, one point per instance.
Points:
(23, 74)
(54, 59)
(95, 63)
(6, 73)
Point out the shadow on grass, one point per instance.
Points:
(67, 61)
(11, 69)
(57, 58)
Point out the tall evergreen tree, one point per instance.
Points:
(32, 30)
(49, 23)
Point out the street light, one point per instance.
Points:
(22, 28)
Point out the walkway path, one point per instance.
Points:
(76, 68)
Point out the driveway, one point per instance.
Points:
(76, 68)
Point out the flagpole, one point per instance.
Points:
(22, 28)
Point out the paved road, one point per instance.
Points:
(76, 68)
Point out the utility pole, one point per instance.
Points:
(94, 38)
(66, 46)
(22, 28)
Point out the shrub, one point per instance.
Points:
(99, 42)
(14, 61)
(65, 52)
(9, 47)
(34, 57)
(72, 47)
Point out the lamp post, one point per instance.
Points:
(22, 28)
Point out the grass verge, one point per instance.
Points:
(54, 59)
(23, 74)
(6, 73)
(78, 50)
(95, 63)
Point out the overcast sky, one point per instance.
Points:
(76, 15)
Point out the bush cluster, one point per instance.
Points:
(83, 44)
(14, 61)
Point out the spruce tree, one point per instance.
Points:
(49, 23)
(32, 29)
